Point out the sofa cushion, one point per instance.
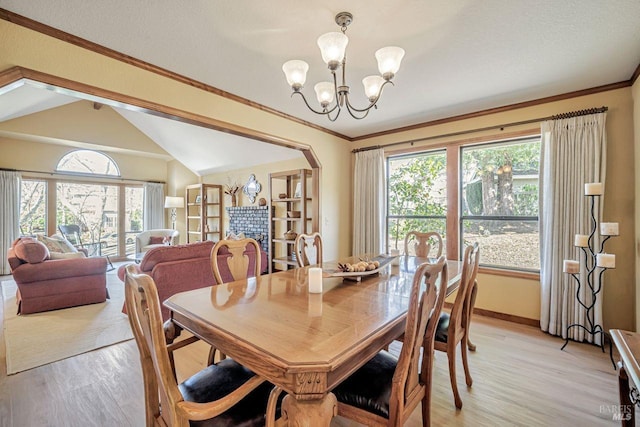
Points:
(66, 255)
(65, 245)
(56, 244)
(30, 250)
(156, 240)
(175, 253)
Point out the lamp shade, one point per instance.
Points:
(389, 59)
(372, 85)
(173, 202)
(296, 72)
(332, 47)
(325, 93)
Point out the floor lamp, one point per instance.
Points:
(173, 203)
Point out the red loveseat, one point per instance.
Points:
(48, 284)
(181, 268)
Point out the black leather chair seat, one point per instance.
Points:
(369, 387)
(442, 330)
(217, 381)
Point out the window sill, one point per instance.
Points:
(529, 275)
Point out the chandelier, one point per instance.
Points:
(332, 48)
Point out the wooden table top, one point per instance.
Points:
(306, 343)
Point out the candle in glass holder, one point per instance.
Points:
(315, 280)
(606, 260)
(593, 189)
(571, 266)
(581, 240)
(609, 229)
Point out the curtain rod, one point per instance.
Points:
(80, 175)
(501, 127)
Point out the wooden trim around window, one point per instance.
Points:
(528, 275)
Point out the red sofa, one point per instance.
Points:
(181, 268)
(48, 284)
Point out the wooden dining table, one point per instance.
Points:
(305, 343)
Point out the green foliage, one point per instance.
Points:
(417, 187)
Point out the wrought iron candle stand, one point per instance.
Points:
(593, 260)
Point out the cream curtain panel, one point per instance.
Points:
(153, 206)
(369, 198)
(10, 218)
(573, 153)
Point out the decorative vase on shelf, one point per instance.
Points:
(234, 200)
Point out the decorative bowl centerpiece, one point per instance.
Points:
(290, 235)
(293, 214)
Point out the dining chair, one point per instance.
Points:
(308, 249)
(423, 243)
(223, 394)
(386, 389)
(453, 327)
(237, 264)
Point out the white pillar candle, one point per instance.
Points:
(570, 266)
(581, 240)
(609, 229)
(315, 280)
(606, 260)
(315, 305)
(593, 189)
(395, 253)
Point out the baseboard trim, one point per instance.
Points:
(502, 316)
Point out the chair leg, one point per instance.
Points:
(465, 360)
(472, 303)
(426, 400)
(451, 355)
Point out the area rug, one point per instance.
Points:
(38, 339)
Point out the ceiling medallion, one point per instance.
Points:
(332, 48)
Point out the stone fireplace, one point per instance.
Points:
(253, 221)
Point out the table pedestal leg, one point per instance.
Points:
(309, 413)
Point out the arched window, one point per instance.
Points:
(88, 162)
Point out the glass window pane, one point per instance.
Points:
(506, 244)
(418, 184)
(33, 207)
(88, 162)
(501, 179)
(94, 208)
(132, 216)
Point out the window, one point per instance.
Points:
(499, 202)
(88, 162)
(90, 202)
(496, 185)
(33, 207)
(88, 206)
(417, 196)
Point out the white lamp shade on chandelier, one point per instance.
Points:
(296, 72)
(333, 47)
(389, 59)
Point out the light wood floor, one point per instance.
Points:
(521, 378)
